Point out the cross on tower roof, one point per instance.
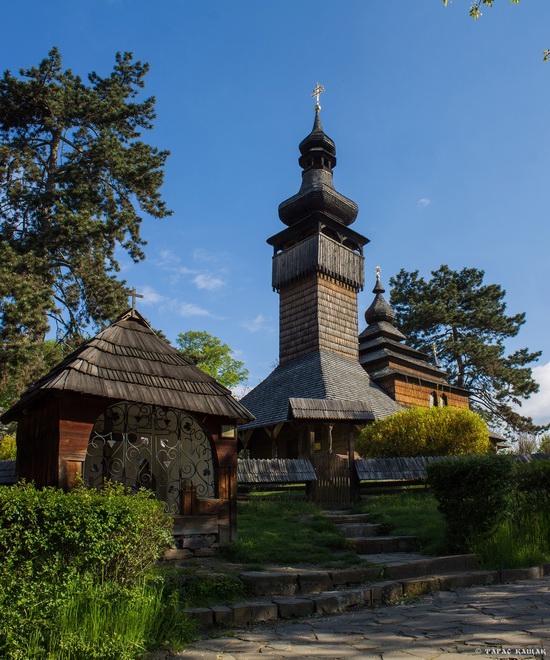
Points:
(319, 89)
(134, 295)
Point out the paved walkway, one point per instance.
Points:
(496, 621)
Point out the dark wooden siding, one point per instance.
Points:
(37, 443)
(319, 254)
(274, 471)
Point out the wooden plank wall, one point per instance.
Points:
(37, 443)
(321, 254)
(226, 453)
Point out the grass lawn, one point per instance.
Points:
(409, 513)
(522, 540)
(283, 529)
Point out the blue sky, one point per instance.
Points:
(441, 126)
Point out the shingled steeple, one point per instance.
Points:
(318, 259)
(317, 193)
(406, 374)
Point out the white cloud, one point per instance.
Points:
(240, 390)
(168, 257)
(189, 309)
(166, 304)
(254, 325)
(422, 203)
(152, 297)
(538, 405)
(208, 281)
(199, 254)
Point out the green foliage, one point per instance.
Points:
(102, 620)
(522, 539)
(107, 532)
(212, 356)
(27, 365)
(534, 477)
(474, 494)
(475, 6)
(198, 589)
(525, 443)
(467, 321)
(425, 432)
(75, 178)
(8, 447)
(409, 513)
(519, 541)
(50, 541)
(283, 531)
(544, 444)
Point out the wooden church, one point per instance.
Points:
(329, 381)
(126, 406)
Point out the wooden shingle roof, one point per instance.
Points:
(127, 361)
(320, 385)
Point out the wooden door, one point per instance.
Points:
(333, 485)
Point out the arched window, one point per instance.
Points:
(145, 446)
(443, 400)
(433, 400)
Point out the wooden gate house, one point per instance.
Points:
(127, 406)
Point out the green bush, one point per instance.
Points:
(425, 432)
(51, 541)
(522, 539)
(534, 477)
(474, 494)
(8, 448)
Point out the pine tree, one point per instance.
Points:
(75, 179)
(466, 320)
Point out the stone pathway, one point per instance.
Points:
(497, 621)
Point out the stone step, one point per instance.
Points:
(257, 610)
(343, 518)
(431, 566)
(295, 581)
(377, 544)
(358, 530)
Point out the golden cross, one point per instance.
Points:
(319, 89)
(134, 295)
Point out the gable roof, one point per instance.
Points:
(128, 362)
(321, 385)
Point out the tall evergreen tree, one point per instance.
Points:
(466, 320)
(75, 179)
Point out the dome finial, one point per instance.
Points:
(319, 89)
(379, 309)
(378, 288)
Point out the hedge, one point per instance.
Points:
(474, 493)
(425, 432)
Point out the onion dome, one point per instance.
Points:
(379, 310)
(317, 193)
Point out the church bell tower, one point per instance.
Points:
(318, 263)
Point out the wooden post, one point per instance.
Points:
(188, 497)
(226, 449)
(330, 427)
(273, 433)
(311, 487)
(355, 489)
